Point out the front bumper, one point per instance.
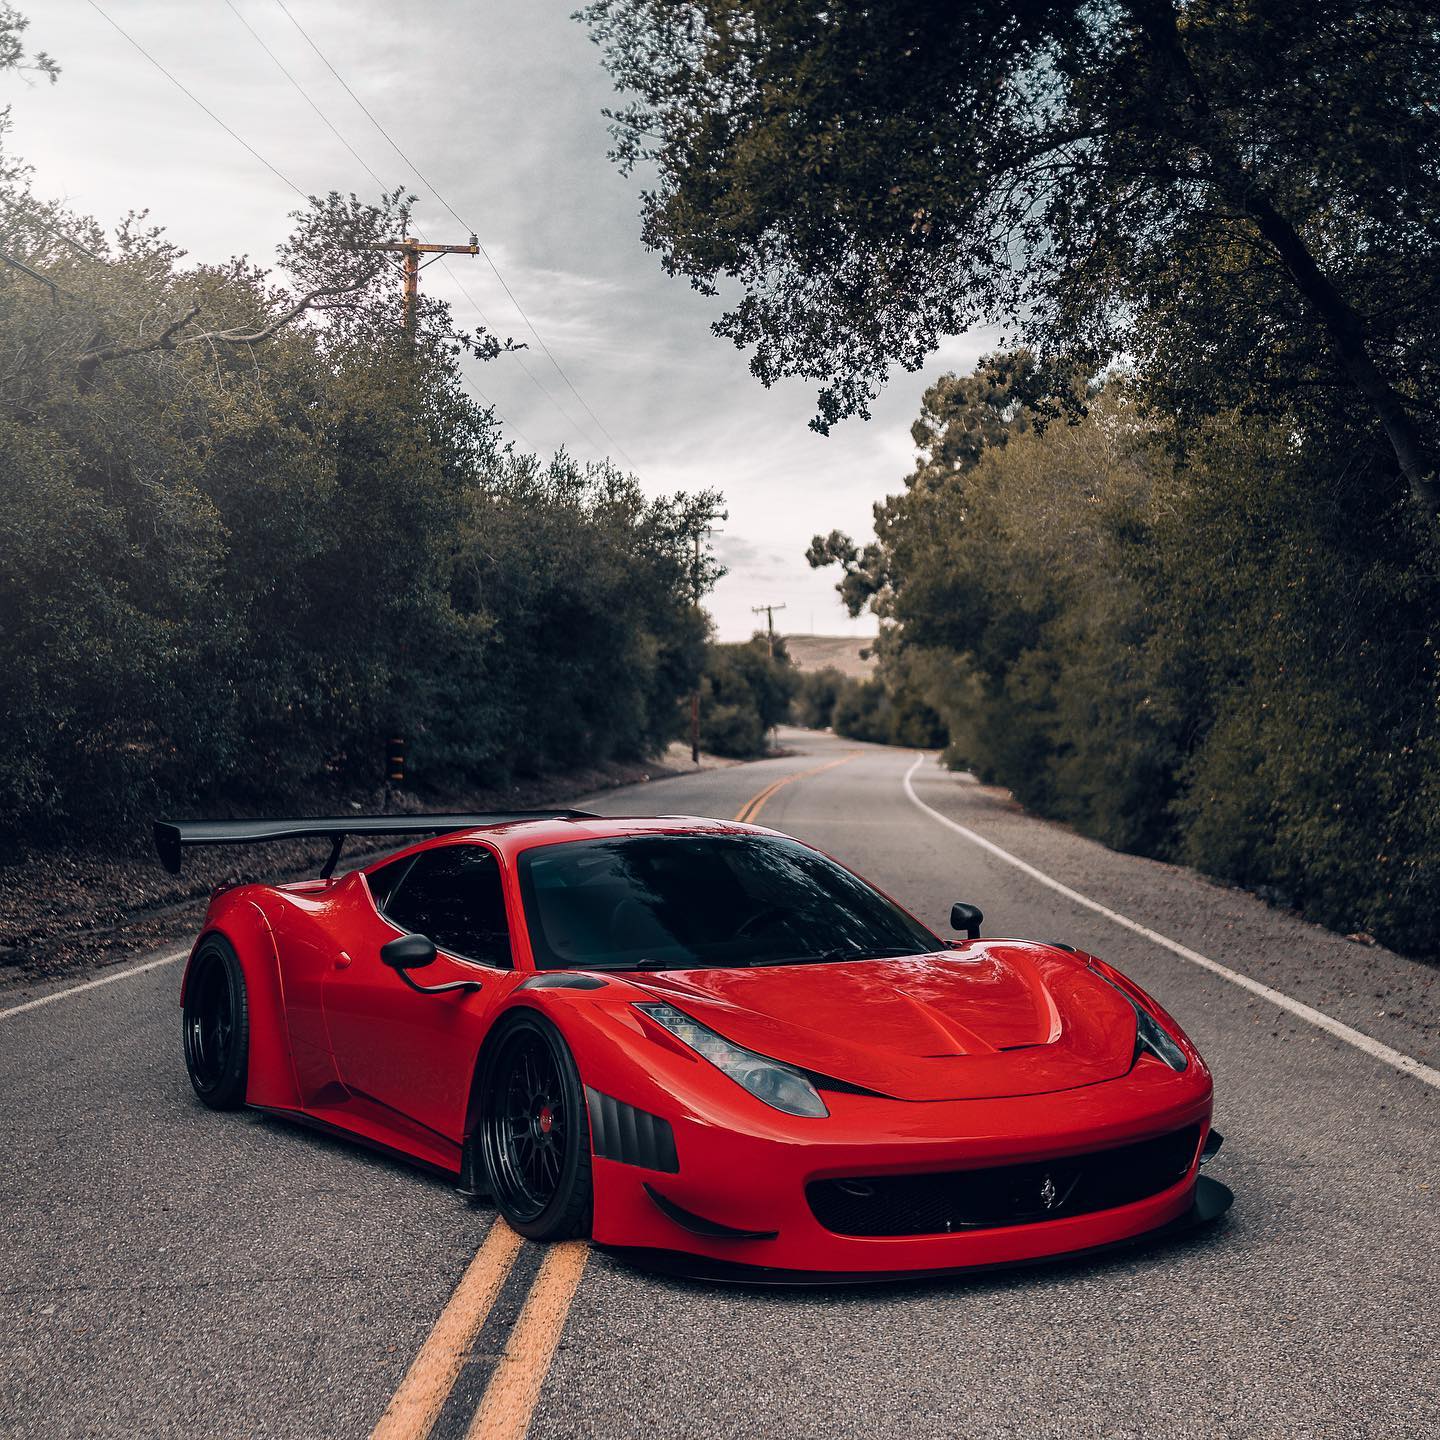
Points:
(1211, 1201)
(743, 1171)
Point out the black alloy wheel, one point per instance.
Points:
(534, 1131)
(216, 1026)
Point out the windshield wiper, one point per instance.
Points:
(827, 957)
(654, 962)
(647, 962)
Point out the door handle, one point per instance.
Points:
(342, 960)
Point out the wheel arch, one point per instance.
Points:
(487, 1045)
(526, 1001)
(241, 923)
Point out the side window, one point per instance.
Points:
(384, 880)
(455, 896)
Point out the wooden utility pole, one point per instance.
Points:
(412, 249)
(695, 694)
(768, 611)
(699, 531)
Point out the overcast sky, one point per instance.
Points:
(498, 102)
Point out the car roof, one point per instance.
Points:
(514, 836)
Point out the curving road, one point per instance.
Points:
(169, 1271)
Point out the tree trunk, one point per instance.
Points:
(1342, 323)
(1347, 334)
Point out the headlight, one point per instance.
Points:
(1149, 1033)
(779, 1085)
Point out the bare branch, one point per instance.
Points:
(170, 338)
(90, 360)
(236, 336)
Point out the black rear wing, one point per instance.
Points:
(173, 837)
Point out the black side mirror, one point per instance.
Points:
(967, 918)
(408, 952)
(414, 952)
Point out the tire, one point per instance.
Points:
(215, 1025)
(533, 1130)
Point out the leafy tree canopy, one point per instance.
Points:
(1242, 199)
(252, 529)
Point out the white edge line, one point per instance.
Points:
(94, 984)
(1406, 1064)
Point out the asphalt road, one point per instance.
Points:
(164, 1270)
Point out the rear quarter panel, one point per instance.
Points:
(239, 917)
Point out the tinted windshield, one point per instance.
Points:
(703, 900)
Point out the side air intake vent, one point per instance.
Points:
(633, 1137)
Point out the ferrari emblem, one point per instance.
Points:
(1049, 1194)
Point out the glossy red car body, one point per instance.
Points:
(985, 1053)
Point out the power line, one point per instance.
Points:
(455, 215)
(426, 182)
(382, 186)
(120, 29)
(304, 94)
(365, 165)
(280, 174)
(334, 130)
(305, 35)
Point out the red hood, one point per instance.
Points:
(997, 1018)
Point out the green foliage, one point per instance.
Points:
(744, 693)
(1241, 200)
(234, 562)
(13, 55)
(1312, 687)
(862, 712)
(816, 691)
(888, 709)
(1222, 652)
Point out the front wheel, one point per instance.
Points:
(216, 1025)
(534, 1132)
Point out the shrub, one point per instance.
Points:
(228, 574)
(745, 692)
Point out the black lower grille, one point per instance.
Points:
(939, 1203)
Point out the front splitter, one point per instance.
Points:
(1212, 1200)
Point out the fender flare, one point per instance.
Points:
(271, 1082)
(563, 1008)
(473, 1180)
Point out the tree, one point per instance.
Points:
(961, 418)
(252, 527)
(745, 692)
(13, 55)
(1264, 180)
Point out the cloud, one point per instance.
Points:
(500, 106)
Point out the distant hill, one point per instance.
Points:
(840, 652)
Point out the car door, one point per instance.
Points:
(414, 1054)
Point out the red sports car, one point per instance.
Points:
(702, 1043)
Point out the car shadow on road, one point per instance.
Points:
(353, 1148)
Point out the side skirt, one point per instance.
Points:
(340, 1131)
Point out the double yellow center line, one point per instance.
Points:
(416, 1405)
(509, 1401)
(756, 803)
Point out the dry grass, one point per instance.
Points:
(837, 652)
